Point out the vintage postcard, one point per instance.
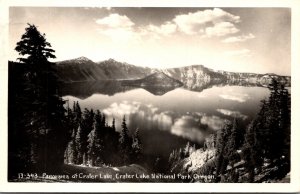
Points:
(192, 96)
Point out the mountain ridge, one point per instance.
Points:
(83, 69)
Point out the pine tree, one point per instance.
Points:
(267, 138)
(136, 147)
(285, 124)
(171, 158)
(103, 120)
(124, 134)
(34, 44)
(74, 153)
(70, 153)
(87, 127)
(95, 143)
(231, 145)
(84, 160)
(273, 123)
(78, 113)
(41, 116)
(261, 133)
(69, 115)
(70, 120)
(113, 124)
(74, 107)
(221, 150)
(249, 153)
(98, 117)
(125, 144)
(78, 146)
(187, 149)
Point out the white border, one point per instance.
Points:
(294, 186)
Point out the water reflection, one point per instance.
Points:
(235, 114)
(188, 127)
(84, 90)
(145, 116)
(235, 97)
(168, 120)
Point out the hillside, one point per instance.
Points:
(117, 70)
(83, 69)
(193, 72)
(79, 69)
(201, 164)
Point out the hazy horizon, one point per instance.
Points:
(255, 40)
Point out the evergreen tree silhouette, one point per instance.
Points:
(125, 144)
(136, 147)
(95, 142)
(267, 139)
(113, 124)
(34, 44)
(71, 152)
(40, 117)
(249, 153)
(78, 145)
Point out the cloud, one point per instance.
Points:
(152, 108)
(120, 109)
(239, 53)
(235, 97)
(149, 117)
(197, 22)
(164, 120)
(121, 28)
(117, 27)
(188, 128)
(115, 21)
(207, 23)
(165, 29)
(221, 29)
(231, 113)
(241, 38)
(214, 122)
(136, 113)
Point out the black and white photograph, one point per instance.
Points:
(149, 94)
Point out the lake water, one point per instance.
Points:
(168, 118)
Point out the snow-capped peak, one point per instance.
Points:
(82, 59)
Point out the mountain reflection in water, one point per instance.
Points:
(84, 90)
(169, 117)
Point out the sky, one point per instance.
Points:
(254, 40)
